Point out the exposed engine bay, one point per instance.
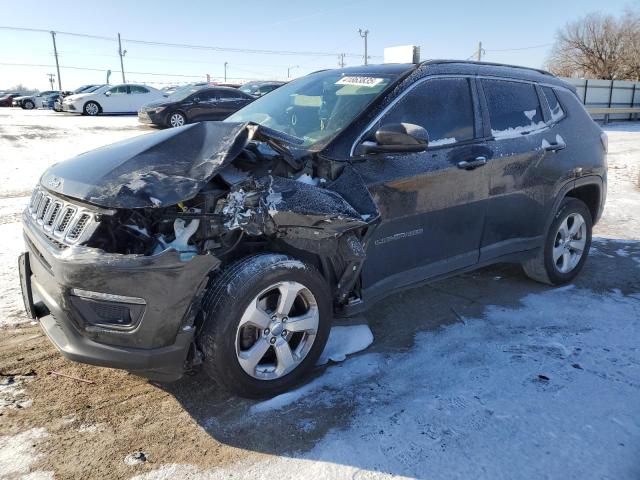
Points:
(254, 191)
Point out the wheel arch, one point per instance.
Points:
(590, 194)
(92, 101)
(176, 110)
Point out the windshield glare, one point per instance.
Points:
(316, 107)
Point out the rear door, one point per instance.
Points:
(522, 179)
(139, 96)
(432, 206)
(230, 101)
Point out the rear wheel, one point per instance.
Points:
(177, 119)
(566, 245)
(28, 105)
(267, 321)
(91, 108)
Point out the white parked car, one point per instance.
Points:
(124, 98)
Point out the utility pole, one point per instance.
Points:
(55, 53)
(51, 77)
(480, 51)
(341, 60)
(225, 71)
(122, 54)
(364, 34)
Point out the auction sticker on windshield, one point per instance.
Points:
(360, 81)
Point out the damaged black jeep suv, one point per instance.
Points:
(230, 246)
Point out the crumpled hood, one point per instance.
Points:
(154, 170)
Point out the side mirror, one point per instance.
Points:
(107, 93)
(397, 138)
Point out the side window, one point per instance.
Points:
(138, 89)
(514, 107)
(206, 96)
(443, 106)
(119, 90)
(556, 109)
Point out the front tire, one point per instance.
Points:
(177, 119)
(28, 105)
(91, 108)
(566, 245)
(267, 320)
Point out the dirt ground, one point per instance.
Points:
(74, 429)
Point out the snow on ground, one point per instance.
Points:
(17, 454)
(32, 140)
(546, 387)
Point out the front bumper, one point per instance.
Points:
(68, 107)
(150, 117)
(157, 345)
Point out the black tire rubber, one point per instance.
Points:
(542, 267)
(84, 109)
(28, 105)
(173, 113)
(224, 302)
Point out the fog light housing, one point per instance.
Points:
(107, 311)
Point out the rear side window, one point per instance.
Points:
(556, 109)
(514, 108)
(138, 89)
(444, 107)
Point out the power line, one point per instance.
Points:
(184, 45)
(519, 48)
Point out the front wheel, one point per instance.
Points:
(177, 119)
(91, 108)
(28, 105)
(267, 320)
(566, 245)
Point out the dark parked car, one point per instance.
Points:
(194, 104)
(229, 246)
(6, 100)
(258, 89)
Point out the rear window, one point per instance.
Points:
(443, 107)
(514, 108)
(556, 109)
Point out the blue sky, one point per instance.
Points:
(448, 29)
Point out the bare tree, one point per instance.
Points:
(598, 46)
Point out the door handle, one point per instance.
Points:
(554, 147)
(471, 164)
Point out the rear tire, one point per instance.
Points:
(91, 108)
(566, 245)
(267, 320)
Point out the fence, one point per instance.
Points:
(603, 98)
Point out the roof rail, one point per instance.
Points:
(490, 64)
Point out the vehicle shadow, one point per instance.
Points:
(294, 429)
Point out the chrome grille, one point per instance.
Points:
(63, 223)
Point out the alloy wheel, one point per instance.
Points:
(277, 330)
(569, 243)
(91, 109)
(176, 120)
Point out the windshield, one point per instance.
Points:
(92, 88)
(316, 107)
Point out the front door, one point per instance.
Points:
(432, 203)
(116, 100)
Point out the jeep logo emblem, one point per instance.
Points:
(54, 182)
